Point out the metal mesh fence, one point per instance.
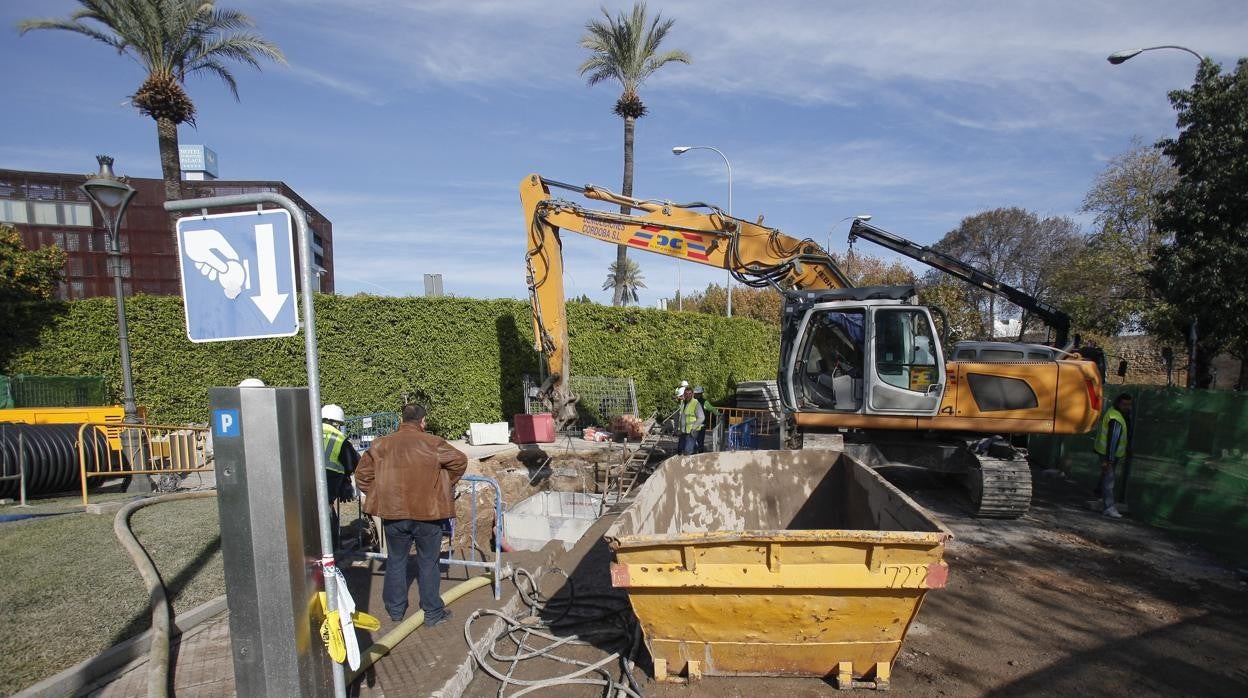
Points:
(1188, 469)
(602, 398)
(362, 430)
(57, 391)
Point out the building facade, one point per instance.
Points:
(47, 208)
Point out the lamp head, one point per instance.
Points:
(106, 189)
(680, 150)
(1118, 57)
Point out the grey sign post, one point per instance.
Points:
(307, 283)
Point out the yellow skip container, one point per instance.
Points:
(776, 563)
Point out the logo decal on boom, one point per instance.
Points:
(669, 242)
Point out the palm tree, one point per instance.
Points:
(624, 275)
(626, 49)
(171, 39)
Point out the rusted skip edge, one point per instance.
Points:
(937, 575)
(619, 575)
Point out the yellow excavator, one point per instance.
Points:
(866, 363)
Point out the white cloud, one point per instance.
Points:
(357, 89)
(1026, 61)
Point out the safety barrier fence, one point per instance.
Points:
(12, 466)
(601, 398)
(363, 429)
(476, 559)
(1188, 464)
(740, 429)
(52, 391)
(141, 449)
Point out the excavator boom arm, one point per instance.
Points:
(755, 255)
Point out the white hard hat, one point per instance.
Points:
(333, 413)
(251, 383)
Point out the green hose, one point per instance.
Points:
(388, 641)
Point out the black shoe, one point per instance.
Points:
(396, 618)
(446, 615)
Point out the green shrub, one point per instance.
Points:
(465, 357)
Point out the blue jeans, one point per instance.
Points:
(1107, 485)
(427, 535)
(688, 444)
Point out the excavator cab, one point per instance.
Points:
(863, 351)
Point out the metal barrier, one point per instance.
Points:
(12, 464)
(362, 430)
(601, 398)
(141, 449)
(57, 391)
(496, 566)
(740, 429)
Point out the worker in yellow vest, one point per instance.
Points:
(699, 396)
(691, 418)
(340, 460)
(1111, 447)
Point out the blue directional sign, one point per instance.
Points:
(238, 275)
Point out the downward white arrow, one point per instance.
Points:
(269, 301)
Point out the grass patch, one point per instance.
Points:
(71, 591)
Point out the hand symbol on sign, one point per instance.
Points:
(216, 259)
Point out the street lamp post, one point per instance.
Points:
(1118, 58)
(111, 195)
(681, 150)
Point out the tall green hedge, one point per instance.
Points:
(464, 356)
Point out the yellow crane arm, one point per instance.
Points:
(754, 254)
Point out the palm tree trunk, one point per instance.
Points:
(621, 252)
(167, 137)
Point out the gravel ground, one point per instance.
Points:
(1060, 602)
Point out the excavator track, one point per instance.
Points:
(1000, 488)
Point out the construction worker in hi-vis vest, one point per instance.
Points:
(1111, 448)
(340, 460)
(692, 417)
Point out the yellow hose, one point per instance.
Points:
(388, 641)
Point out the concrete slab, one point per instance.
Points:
(105, 508)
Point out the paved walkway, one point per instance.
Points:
(203, 669)
(429, 662)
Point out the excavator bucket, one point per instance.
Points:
(797, 563)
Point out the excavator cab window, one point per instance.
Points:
(904, 355)
(907, 371)
(831, 359)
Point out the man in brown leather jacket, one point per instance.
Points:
(408, 479)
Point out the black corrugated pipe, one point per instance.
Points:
(49, 455)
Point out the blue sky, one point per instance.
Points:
(410, 124)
